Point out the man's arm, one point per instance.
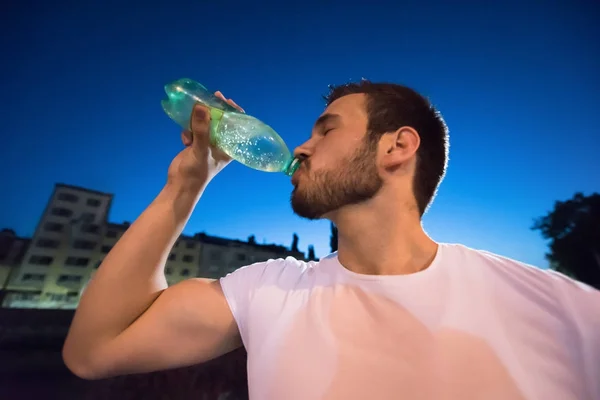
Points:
(129, 322)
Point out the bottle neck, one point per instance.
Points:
(292, 166)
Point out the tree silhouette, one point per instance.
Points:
(573, 228)
(333, 241)
(295, 243)
(252, 239)
(311, 253)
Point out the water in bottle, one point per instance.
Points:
(242, 137)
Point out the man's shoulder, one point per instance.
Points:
(279, 266)
(505, 269)
(265, 283)
(283, 271)
(487, 259)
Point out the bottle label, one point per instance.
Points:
(215, 119)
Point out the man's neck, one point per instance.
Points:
(379, 240)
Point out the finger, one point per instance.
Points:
(187, 138)
(200, 124)
(200, 118)
(229, 101)
(234, 104)
(220, 95)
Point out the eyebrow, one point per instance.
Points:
(323, 119)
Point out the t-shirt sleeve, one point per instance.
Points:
(239, 288)
(582, 305)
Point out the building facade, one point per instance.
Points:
(63, 250)
(220, 256)
(12, 251)
(74, 235)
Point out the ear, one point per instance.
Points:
(399, 147)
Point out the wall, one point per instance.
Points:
(31, 366)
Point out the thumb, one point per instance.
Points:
(200, 124)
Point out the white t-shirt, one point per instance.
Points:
(471, 326)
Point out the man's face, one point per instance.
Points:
(340, 168)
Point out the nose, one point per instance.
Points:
(303, 151)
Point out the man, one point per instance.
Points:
(391, 315)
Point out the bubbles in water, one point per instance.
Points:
(252, 143)
(242, 137)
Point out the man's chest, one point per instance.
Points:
(355, 345)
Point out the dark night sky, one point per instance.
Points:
(517, 82)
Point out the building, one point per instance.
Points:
(63, 250)
(74, 235)
(220, 256)
(12, 251)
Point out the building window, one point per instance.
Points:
(172, 257)
(69, 279)
(90, 228)
(106, 249)
(56, 296)
(71, 198)
(47, 243)
(190, 245)
(168, 270)
(111, 234)
(77, 261)
(61, 212)
(40, 260)
(185, 272)
(98, 263)
(33, 277)
(93, 202)
(84, 245)
(53, 227)
(188, 258)
(87, 217)
(27, 296)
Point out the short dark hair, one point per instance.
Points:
(392, 106)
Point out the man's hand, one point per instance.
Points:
(199, 161)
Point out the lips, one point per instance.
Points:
(304, 166)
(296, 177)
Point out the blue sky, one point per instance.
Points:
(517, 83)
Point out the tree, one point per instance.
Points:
(295, 243)
(311, 253)
(333, 241)
(252, 239)
(573, 228)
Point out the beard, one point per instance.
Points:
(353, 181)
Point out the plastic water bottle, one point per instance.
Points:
(240, 136)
